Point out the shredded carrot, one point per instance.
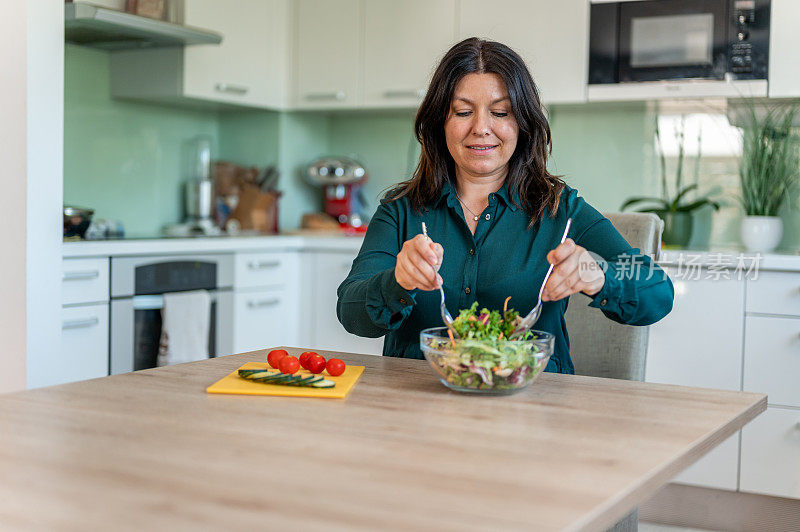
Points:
(505, 305)
(500, 336)
(472, 318)
(452, 339)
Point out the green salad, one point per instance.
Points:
(483, 357)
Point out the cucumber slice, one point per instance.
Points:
(246, 373)
(324, 383)
(271, 378)
(304, 380)
(257, 374)
(314, 379)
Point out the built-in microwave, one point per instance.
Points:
(657, 40)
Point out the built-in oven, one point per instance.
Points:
(137, 288)
(654, 40)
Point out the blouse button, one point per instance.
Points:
(488, 216)
(467, 290)
(403, 301)
(603, 302)
(471, 251)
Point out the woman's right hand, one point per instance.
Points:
(418, 264)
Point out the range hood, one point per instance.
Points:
(109, 29)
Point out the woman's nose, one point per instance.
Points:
(482, 124)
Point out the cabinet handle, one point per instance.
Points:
(412, 93)
(229, 88)
(326, 96)
(263, 303)
(79, 324)
(80, 276)
(263, 265)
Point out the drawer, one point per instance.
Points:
(265, 318)
(771, 453)
(718, 469)
(772, 358)
(84, 281)
(276, 269)
(774, 293)
(84, 343)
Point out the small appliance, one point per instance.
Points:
(198, 194)
(341, 179)
(649, 40)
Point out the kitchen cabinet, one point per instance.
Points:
(265, 318)
(552, 38)
(84, 343)
(692, 346)
(84, 281)
(266, 301)
(771, 453)
(784, 40)
(403, 42)
(327, 53)
(325, 271)
(249, 68)
(772, 358)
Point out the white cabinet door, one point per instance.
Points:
(249, 66)
(264, 318)
(327, 44)
(771, 453)
(552, 38)
(84, 281)
(774, 293)
(694, 346)
(84, 344)
(784, 40)
(772, 359)
(325, 332)
(403, 42)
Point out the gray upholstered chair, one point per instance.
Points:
(603, 348)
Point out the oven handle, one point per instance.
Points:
(156, 302)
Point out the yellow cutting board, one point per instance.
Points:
(235, 384)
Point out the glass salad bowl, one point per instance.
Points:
(488, 365)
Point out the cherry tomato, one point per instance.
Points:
(274, 357)
(335, 367)
(316, 363)
(289, 364)
(304, 358)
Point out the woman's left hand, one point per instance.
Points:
(575, 271)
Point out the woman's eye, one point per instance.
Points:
(500, 114)
(462, 113)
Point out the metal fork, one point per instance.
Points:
(446, 317)
(533, 316)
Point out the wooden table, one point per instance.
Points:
(151, 450)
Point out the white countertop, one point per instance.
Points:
(297, 242)
(730, 259)
(160, 246)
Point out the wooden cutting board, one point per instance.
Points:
(234, 384)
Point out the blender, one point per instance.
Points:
(198, 193)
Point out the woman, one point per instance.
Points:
(494, 216)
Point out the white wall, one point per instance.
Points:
(13, 74)
(45, 154)
(31, 152)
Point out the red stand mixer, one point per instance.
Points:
(341, 179)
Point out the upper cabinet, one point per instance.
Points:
(403, 42)
(784, 40)
(327, 49)
(248, 68)
(552, 38)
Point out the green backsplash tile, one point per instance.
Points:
(124, 159)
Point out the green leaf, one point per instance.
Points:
(680, 196)
(689, 207)
(640, 199)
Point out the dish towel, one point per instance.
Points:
(186, 319)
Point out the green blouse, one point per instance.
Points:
(503, 258)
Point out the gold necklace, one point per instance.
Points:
(474, 216)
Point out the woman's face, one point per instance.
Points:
(480, 129)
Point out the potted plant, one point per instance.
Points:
(768, 171)
(676, 210)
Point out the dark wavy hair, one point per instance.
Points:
(529, 182)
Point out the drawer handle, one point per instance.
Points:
(263, 265)
(263, 303)
(413, 93)
(79, 324)
(228, 88)
(326, 96)
(80, 276)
